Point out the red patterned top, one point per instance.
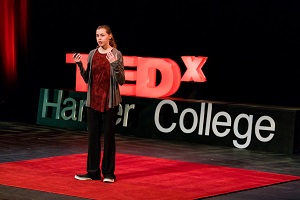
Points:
(100, 82)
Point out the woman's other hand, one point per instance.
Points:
(77, 57)
(111, 57)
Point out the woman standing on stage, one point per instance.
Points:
(103, 74)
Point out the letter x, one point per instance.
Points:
(194, 71)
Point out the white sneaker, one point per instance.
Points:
(108, 180)
(85, 177)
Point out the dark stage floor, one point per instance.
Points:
(19, 141)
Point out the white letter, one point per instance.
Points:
(54, 105)
(80, 110)
(216, 123)
(71, 108)
(181, 119)
(208, 118)
(248, 132)
(258, 127)
(201, 119)
(126, 113)
(156, 116)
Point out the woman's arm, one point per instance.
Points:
(84, 73)
(118, 66)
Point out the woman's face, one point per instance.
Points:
(102, 37)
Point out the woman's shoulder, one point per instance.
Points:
(92, 51)
(115, 50)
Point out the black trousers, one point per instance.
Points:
(98, 123)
